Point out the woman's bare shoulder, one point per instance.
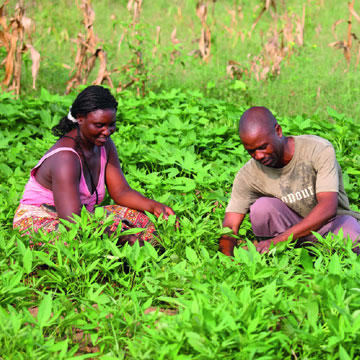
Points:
(65, 163)
(67, 141)
(58, 164)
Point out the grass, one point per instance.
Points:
(307, 84)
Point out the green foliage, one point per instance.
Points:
(80, 293)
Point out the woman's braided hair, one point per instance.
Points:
(92, 98)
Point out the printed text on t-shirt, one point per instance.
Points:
(298, 195)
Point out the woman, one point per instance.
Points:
(76, 169)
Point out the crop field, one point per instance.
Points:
(79, 295)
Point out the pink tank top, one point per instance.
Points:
(36, 194)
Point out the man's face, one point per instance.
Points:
(265, 146)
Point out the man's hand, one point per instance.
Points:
(263, 246)
(318, 216)
(226, 242)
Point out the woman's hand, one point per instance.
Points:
(159, 209)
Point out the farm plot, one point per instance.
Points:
(81, 296)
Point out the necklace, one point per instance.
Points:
(93, 187)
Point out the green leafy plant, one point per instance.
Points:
(80, 295)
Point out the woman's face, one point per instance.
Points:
(97, 126)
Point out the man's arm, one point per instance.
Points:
(226, 242)
(318, 216)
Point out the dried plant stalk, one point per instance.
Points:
(300, 27)
(278, 47)
(347, 44)
(353, 12)
(267, 5)
(157, 41)
(235, 70)
(205, 37)
(16, 38)
(174, 53)
(136, 7)
(88, 51)
(35, 57)
(234, 28)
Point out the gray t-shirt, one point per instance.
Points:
(312, 169)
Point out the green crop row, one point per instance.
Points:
(81, 296)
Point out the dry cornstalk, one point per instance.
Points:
(267, 7)
(88, 51)
(205, 37)
(294, 36)
(174, 53)
(270, 59)
(347, 44)
(234, 27)
(174, 39)
(353, 12)
(157, 41)
(121, 38)
(136, 7)
(35, 57)
(178, 16)
(300, 27)
(277, 47)
(235, 70)
(234, 23)
(13, 37)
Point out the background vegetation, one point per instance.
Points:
(312, 77)
(178, 144)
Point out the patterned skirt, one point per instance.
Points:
(30, 218)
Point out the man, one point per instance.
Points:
(291, 187)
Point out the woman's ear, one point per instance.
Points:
(80, 119)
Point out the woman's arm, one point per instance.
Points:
(121, 192)
(65, 177)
